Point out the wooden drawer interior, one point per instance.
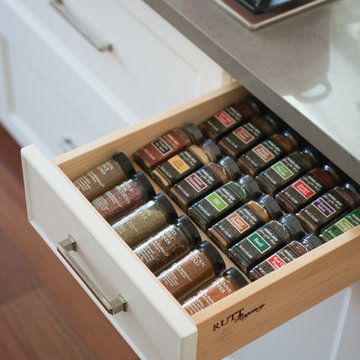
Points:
(270, 301)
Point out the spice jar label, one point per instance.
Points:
(243, 135)
(179, 164)
(258, 242)
(263, 153)
(324, 207)
(238, 222)
(217, 202)
(281, 169)
(303, 189)
(225, 118)
(275, 261)
(162, 146)
(195, 182)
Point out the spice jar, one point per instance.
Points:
(244, 221)
(167, 246)
(229, 118)
(146, 220)
(309, 186)
(266, 240)
(223, 200)
(248, 135)
(105, 176)
(288, 169)
(345, 224)
(185, 162)
(203, 181)
(329, 207)
(167, 145)
(193, 271)
(230, 281)
(268, 151)
(285, 255)
(125, 197)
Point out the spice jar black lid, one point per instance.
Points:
(148, 189)
(316, 156)
(236, 275)
(165, 203)
(256, 104)
(194, 132)
(189, 229)
(293, 225)
(213, 148)
(354, 188)
(337, 174)
(271, 206)
(295, 138)
(273, 120)
(125, 163)
(311, 241)
(251, 186)
(214, 255)
(231, 165)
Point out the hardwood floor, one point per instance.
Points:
(44, 313)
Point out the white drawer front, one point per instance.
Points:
(154, 325)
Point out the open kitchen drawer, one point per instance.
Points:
(155, 324)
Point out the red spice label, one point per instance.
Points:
(238, 223)
(225, 118)
(303, 189)
(263, 152)
(196, 182)
(276, 262)
(243, 135)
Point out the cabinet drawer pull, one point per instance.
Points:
(112, 307)
(59, 6)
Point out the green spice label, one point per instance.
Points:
(344, 225)
(281, 169)
(259, 242)
(216, 201)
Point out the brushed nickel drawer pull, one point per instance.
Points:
(112, 307)
(59, 6)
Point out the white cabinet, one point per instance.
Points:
(58, 91)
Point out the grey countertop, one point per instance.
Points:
(305, 68)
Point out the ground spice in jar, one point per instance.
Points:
(329, 207)
(308, 187)
(230, 281)
(223, 200)
(244, 221)
(146, 220)
(203, 181)
(248, 135)
(125, 197)
(266, 240)
(268, 152)
(288, 169)
(193, 271)
(167, 145)
(345, 224)
(105, 176)
(285, 255)
(167, 246)
(185, 162)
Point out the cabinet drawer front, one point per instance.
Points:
(55, 209)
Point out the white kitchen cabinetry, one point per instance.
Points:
(59, 91)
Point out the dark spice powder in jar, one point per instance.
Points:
(192, 271)
(105, 176)
(124, 198)
(225, 285)
(167, 246)
(146, 220)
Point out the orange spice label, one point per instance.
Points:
(263, 152)
(179, 164)
(238, 222)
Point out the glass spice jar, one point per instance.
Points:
(244, 221)
(146, 220)
(285, 255)
(167, 145)
(248, 135)
(192, 271)
(105, 176)
(264, 241)
(345, 224)
(203, 181)
(308, 187)
(288, 169)
(167, 246)
(223, 200)
(185, 162)
(123, 198)
(268, 151)
(230, 281)
(329, 207)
